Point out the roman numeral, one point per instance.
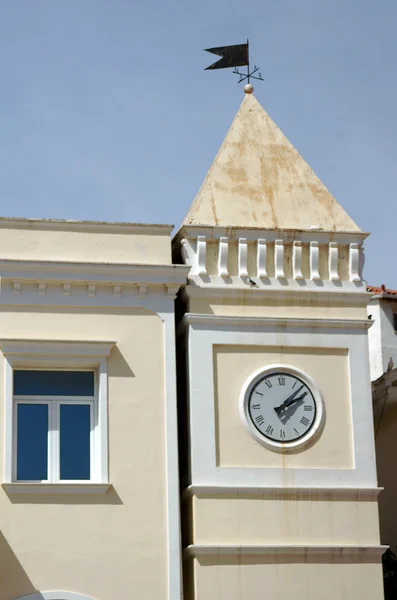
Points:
(268, 383)
(308, 407)
(282, 434)
(296, 431)
(259, 419)
(256, 406)
(269, 429)
(305, 421)
(281, 381)
(294, 384)
(259, 393)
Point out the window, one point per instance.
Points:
(395, 321)
(54, 425)
(56, 416)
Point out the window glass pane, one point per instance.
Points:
(54, 383)
(75, 441)
(32, 442)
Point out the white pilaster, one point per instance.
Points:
(354, 262)
(201, 255)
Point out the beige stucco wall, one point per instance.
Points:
(233, 365)
(107, 546)
(273, 577)
(386, 449)
(79, 242)
(279, 518)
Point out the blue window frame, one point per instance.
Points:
(54, 422)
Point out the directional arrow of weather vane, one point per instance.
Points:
(234, 56)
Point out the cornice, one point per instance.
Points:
(34, 271)
(359, 553)
(85, 226)
(257, 322)
(286, 493)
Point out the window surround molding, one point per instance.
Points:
(60, 354)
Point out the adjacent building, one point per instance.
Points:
(219, 446)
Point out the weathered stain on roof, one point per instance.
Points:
(258, 179)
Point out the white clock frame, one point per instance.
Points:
(295, 445)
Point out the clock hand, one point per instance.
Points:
(290, 398)
(289, 402)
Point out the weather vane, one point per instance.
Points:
(235, 56)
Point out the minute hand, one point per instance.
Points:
(288, 401)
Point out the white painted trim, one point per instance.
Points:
(211, 491)
(297, 260)
(314, 261)
(348, 552)
(242, 257)
(249, 322)
(101, 431)
(261, 268)
(54, 596)
(201, 256)
(222, 257)
(172, 460)
(8, 419)
(13, 347)
(333, 258)
(279, 259)
(55, 488)
(204, 470)
(354, 262)
(294, 445)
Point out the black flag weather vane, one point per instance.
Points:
(235, 56)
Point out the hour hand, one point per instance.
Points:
(289, 402)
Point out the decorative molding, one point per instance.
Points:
(279, 259)
(117, 290)
(223, 256)
(233, 322)
(73, 348)
(92, 273)
(91, 290)
(261, 258)
(201, 256)
(242, 257)
(172, 290)
(333, 258)
(297, 260)
(337, 493)
(314, 261)
(56, 488)
(16, 287)
(348, 552)
(41, 288)
(354, 262)
(252, 234)
(54, 595)
(67, 289)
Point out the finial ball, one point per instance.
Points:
(249, 88)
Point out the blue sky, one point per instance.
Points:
(106, 112)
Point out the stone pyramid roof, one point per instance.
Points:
(258, 179)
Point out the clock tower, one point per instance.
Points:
(281, 491)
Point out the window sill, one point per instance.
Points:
(56, 488)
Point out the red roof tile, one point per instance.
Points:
(381, 290)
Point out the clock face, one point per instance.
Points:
(281, 407)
